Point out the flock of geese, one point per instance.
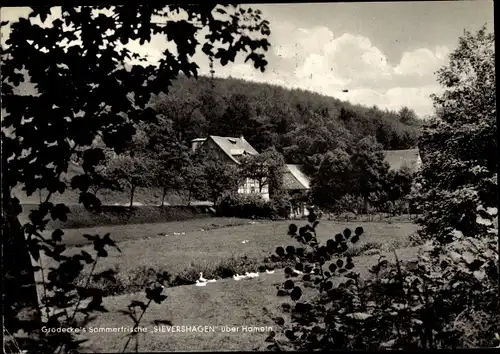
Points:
(203, 282)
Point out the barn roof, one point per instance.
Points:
(399, 158)
(234, 147)
(295, 179)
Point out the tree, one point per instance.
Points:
(332, 182)
(265, 168)
(217, 178)
(81, 53)
(407, 115)
(459, 147)
(133, 172)
(170, 156)
(237, 116)
(369, 170)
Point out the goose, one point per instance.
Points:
(201, 278)
(183, 233)
(238, 277)
(251, 275)
(200, 283)
(269, 271)
(298, 272)
(211, 280)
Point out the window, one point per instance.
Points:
(252, 190)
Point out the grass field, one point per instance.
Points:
(224, 303)
(216, 251)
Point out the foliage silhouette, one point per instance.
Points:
(83, 91)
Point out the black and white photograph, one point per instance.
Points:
(249, 177)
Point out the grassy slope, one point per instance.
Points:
(121, 233)
(224, 303)
(79, 217)
(197, 250)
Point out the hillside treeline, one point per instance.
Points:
(299, 124)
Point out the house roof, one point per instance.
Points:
(399, 158)
(295, 179)
(234, 147)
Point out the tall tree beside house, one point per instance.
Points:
(81, 52)
(169, 154)
(370, 171)
(265, 168)
(192, 177)
(217, 178)
(459, 147)
(333, 180)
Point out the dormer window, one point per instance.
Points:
(232, 140)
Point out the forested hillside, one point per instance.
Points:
(300, 124)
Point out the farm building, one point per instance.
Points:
(296, 182)
(231, 149)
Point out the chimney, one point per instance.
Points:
(196, 143)
(242, 138)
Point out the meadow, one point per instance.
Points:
(227, 303)
(218, 247)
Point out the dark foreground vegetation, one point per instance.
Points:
(99, 116)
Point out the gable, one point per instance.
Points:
(234, 147)
(295, 179)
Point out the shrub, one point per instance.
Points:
(446, 299)
(248, 206)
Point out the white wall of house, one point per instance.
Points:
(251, 186)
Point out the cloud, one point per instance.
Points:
(421, 62)
(319, 60)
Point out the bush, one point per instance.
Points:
(446, 299)
(248, 206)
(115, 282)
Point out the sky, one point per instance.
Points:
(385, 54)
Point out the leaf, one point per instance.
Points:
(271, 337)
(288, 284)
(332, 267)
(279, 321)
(456, 257)
(296, 293)
(479, 274)
(57, 235)
(282, 293)
(468, 257)
(482, 221)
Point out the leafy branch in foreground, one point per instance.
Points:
(82, 52)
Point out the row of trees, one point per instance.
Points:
(156, 158)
